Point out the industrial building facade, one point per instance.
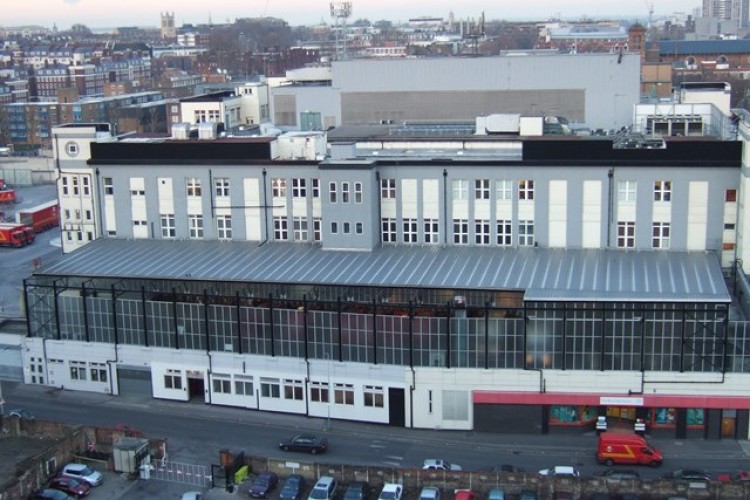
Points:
(521, 285)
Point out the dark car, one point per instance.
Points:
(263, 484)
(620, 474)
(507, 468)
(308, 443)
(51, 494)
(293, 488)
(688, 475)
(356, 491)
(70, 485)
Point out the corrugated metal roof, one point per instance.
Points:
(694, 47)
(545, 274)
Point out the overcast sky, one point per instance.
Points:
(112, 13)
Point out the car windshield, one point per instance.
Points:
(261, 481)
(319, 493)
(387, 495)
(86, 471)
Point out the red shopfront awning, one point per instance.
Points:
(594, 399)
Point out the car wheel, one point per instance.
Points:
(314, 451)
(609, 462)
(654, 464)
(285, 448)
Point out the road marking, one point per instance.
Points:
(374, 445)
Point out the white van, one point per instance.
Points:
(324, 489)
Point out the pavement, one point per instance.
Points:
(117, 486)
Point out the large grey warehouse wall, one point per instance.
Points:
(597, 89)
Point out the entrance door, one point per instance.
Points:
(728, 426)
(396, 407)
(196, 386)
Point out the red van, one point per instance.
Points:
(617, 448)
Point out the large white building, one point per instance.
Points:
(463, 283)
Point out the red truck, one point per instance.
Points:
(7, 195)
(40, 217)
(15, 235)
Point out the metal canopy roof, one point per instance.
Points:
(545, 274)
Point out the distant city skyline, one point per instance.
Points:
(145, 13)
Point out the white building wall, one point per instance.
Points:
(253, 226)
(697, 223)
(409, 199)
(558, 214)
(592, 214)
(431, 199)
(165, 195)
(442, 397)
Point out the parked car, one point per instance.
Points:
(496, 494)
(429, 493)
(391, 491)
(324, 489)
(293, 488)
(439, 464)
(527, 495)
(308, 443)
(51, 494)
(356, 491)
(620, 474)
(560, 471)
(735, 477)
(688, 475)
(70, 485)
(84, 473)
(263, 484)
(21, 413)
(192, 495)
(465, 495)
(507, 468)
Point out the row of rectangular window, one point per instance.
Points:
(80, 371)
(482, 234)
(340, 192)
(660, 235)
(293, 389)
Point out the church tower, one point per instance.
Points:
(167, 25)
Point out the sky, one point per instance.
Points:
(145, 13)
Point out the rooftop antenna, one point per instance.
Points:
(340, 12)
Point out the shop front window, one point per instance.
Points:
(571, 415)
(662, 417)
(695, 417)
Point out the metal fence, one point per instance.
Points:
(197, 475)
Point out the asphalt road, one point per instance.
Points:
(195, 433)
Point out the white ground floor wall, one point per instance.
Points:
(433, 397)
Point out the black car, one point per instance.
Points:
(293, 488)
(263, 484)
(688, 475)
(620, 474)
(356, 491)
(305, 442)
(507, 468)
(51, 494)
